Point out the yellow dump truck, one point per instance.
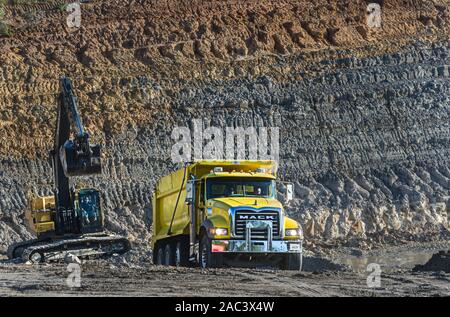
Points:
(224, 212)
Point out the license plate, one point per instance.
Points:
(294, 247)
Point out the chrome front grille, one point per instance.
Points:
(242, 216)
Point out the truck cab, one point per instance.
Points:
(233, 216)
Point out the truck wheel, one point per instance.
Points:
(207, 258)
(181, 253)
(293, 262)
(159, 255)
(169, 255)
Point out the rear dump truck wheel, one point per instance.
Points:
(169, 254)
(207, 258)
(293, 262)
(181, 253)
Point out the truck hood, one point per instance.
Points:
(253, 202)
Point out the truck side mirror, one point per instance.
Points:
(190, 192)
(289, 192)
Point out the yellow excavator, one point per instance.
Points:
(71, 221)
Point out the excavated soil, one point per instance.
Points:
(363, 115)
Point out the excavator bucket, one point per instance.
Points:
(78, 162)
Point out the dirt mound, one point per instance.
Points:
(439, 262)
(129, 55)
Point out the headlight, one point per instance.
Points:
(293, 232)
(219, 231)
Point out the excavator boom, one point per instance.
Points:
(77, 156)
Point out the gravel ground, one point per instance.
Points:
(105, 280)
(122, 277)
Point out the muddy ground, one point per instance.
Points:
(134, 275)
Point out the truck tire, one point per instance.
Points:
(207, 258)
(293, 262)
(182, 253)
(158, 257)
(169, 255)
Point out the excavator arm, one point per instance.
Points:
(77, 156)
(71, 157)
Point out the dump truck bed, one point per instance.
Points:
(170, 211)
(169, 205)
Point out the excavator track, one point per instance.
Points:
(39, 251)
(15, 250)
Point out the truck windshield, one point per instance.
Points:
(239, 187)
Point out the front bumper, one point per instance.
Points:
(256, 246)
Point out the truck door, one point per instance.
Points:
(201, 212)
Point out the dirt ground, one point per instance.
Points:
(162, 281)
(122, 278)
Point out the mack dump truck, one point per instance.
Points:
(214, 213)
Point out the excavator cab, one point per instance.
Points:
(89, 211)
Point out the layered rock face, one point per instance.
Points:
(363, 112)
